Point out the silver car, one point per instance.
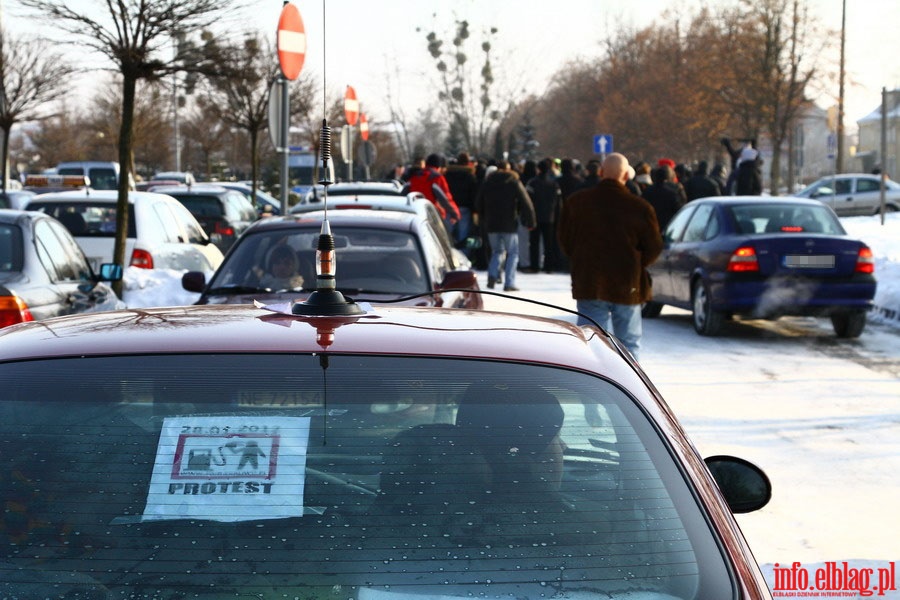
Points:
(852, 194)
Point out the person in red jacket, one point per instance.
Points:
(430, 182)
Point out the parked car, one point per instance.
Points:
(224, 214)
(762, 258)
(162, 234)
(383, 255)
(44, 273)
(182, 177)
(390, 454)
(265, 203)
(16, 199)
(854, 194)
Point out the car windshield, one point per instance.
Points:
(10, 248)
(85, 218)
(785, 218)
(339, 476)
(369, 260)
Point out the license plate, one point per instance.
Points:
(809, 261)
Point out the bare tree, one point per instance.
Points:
(468, 99)
(786, 71)
(133, 35)
(31, 76)
(240, 97)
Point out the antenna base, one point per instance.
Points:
(326, 303)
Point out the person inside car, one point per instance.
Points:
(283, 270)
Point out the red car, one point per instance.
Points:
(388, 453)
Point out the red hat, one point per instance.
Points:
(666, 162)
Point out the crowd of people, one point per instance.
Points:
(600, 221)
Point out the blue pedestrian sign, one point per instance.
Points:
(603, 143)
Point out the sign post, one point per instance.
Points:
(351, 113)
(291, 54)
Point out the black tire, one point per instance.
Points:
(706, 320)
(651, 309)
(849, 324)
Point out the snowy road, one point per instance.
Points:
(820, 415)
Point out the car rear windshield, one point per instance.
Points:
(10, 248)
(786, 218)
(371, 260)
(86, 219)
(201, 206)
(346, 477)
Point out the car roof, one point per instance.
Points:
(409, 202)
(745, 200)
(380, 330)
(89, 195)
(197, 188)
(399, 220)
(12, 216)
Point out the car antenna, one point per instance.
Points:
(326, 300)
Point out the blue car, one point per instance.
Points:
(762, 258)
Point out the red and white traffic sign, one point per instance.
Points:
(291, 42)
(351, 106)
(363, 127)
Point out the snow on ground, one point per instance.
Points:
(817, 413)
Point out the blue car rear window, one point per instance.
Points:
(785, 218)
(364, 478)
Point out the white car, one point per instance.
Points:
(162, 233)
(851, 194)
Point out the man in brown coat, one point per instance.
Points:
(610, 237)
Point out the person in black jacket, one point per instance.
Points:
(501, 203)
(546, 198)
(463, 185)
(701, 185)
(663, 196)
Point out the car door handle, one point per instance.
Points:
(849, 198)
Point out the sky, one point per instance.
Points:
(365, 43)
(816, 413)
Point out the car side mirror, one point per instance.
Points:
(110, 272)
(194, 281)
(745, 486)
(459, 280)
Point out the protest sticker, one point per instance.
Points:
(231, 468)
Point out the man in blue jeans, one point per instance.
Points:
(501, 203)
(610, 236)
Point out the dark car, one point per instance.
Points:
(762, 258)
(44, 273)
(223, 213)
(265, 203)
(393, 453)
(384, 254)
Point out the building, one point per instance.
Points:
(868, 152)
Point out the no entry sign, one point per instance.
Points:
(291, 42)
(363, 127)
(351, 106)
